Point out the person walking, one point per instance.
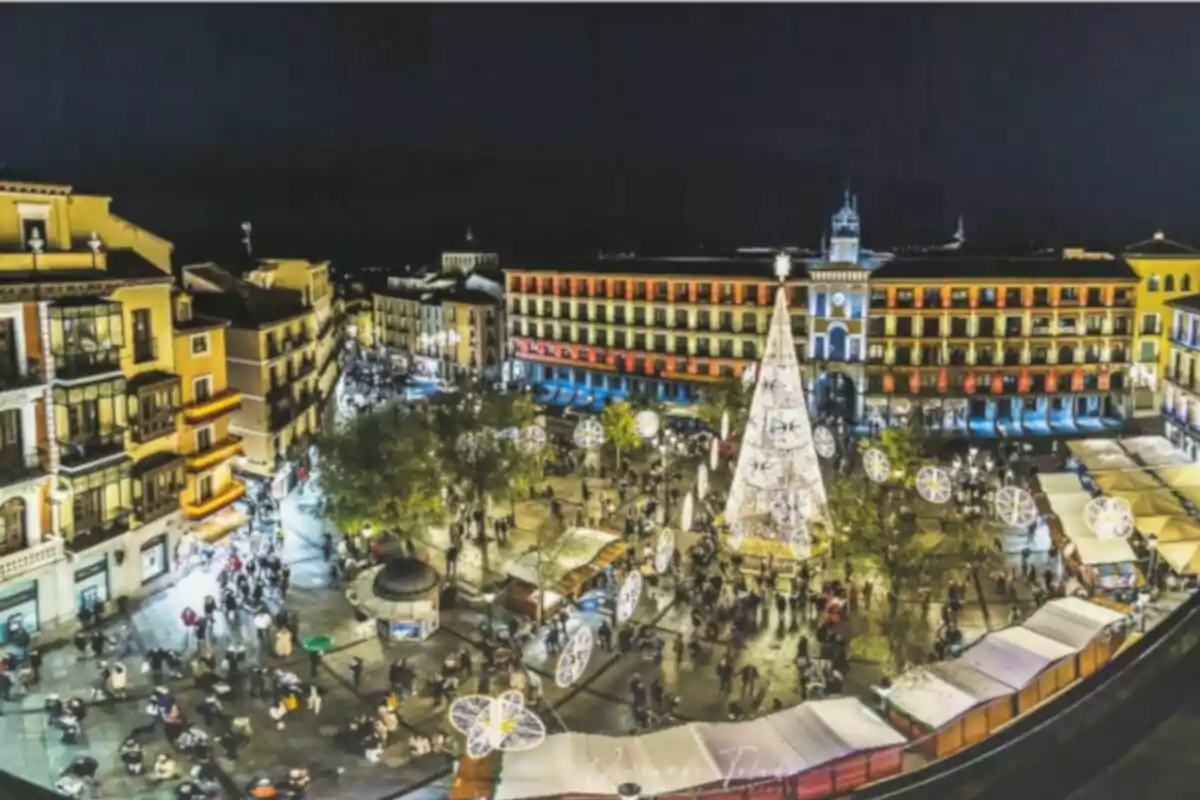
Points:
(356, 671)
(315, 698)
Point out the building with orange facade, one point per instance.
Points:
(1019, 344)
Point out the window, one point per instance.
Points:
(1169, 284)
(1152, 283)
(204, 488)
(202, 388)
(204, 439)
(12, 526)
(1185, 283)
(88, 507)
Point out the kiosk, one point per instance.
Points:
(401, 595)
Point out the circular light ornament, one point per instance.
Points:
(589, 434)
(470, 445)
(724, 425)
(531, 440)
(687, 512)
(701, 481)
(664, 551)
(1015, 506)
(934, 484)
(574, 658)
(646, 424)
(837, 299)
(628, 596)
(876, 465)
(1109, 517)
(714, 454)
(823, 442)
(506, 725)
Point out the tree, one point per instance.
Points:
(381, 469)
(619, 430)
(550, 546)
(907, 542)
(730, 395)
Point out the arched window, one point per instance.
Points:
(837, 343)
(1066, 355)
(1185, 283)
(1169, 284)
(12, 526)
(1152, 283)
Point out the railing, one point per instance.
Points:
(34, 376)
(92, 533)
(17, 467)
(148, 512)
(81, 450)
(221, 403)
(230, 447)
(30, 559)
(194, 511)
(154, 427)
(70, 365)
(145, 350)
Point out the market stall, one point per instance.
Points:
(1034, 666)
(949, 704)
(1154, 451)
(818, 749)
(565, 568)
(1093, 631)
(1101, 455)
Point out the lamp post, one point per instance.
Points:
(490, 598)
(668, 447)
(1151, 578)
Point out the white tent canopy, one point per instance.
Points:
(785, 743)
(1072, 621)
(1014, 656)
(1060, 483)
(576, 548)
(928, 697)
(1156, 451)
(1068, 506)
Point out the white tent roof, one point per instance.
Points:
(1094, 552)
(1094, 447)
(1014, 659)
(576, 548)
(1179, 476)
(785, 743)
(1072, 621)
(1157, 451)
(1060, 483)
(1068, 507)
(927, 697)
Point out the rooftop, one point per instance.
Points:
(123, 265)
(1189, 302)
(1159, 245)
(951, 265)
(730, 266)
(249, 309)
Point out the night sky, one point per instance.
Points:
(376, 133)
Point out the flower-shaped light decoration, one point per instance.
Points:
(823, 442)
(1015, 506)
(664, 550)
(504, 724)
(574, 658)
(876, 465)
(687, 512)
(1109, 517)
(701, 481)
(531, 440)
(589, 434)
(646, 424)
(628, 596)
(934, 484)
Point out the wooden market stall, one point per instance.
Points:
(947, 704)
(1093, 630)
(565, 569)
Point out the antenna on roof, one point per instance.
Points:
(246, 229)
(470, 235)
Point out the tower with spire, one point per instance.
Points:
(847, 233)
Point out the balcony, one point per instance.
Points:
(145, 350)
(17, 467)
(73, 365)
(204, 508)
(162, 423)
(90, 532)
(29, 559)
(149, 510)
(77, 452)
(205, 459)
(209, 408)
(11, 378)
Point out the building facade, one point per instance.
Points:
(965, 342)
(1167, 270)
(91, 402)
(1181, 390)
(283, 352)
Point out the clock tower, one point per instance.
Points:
(847, 233)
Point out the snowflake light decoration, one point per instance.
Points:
(628, 596)
(1015, 506)
(687, 512)
(589, 434)
(664, 550)
(504, 724)
(876, 465)
(701, 481)
(646, 424)
(823, 442)
(531, 439)
(574, 658)
(934, 484)
(1109, 517)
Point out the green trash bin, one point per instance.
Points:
(318, 644)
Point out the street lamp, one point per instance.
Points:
(1151, 578)
(669, 445)
(490, 598)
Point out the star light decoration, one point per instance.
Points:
(574, 658)
(1109, 517)
(646, 424)
(628, 596)
(1015, 506)
(589, 434)
(531, 440)
(496, 723)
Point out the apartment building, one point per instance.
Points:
(1181, 390)
(91, 467)
(284, 353)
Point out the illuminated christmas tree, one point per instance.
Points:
(777, 487)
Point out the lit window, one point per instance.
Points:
(200, 344)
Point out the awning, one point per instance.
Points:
(1095, 552)
(1072, 621)
(1169, 529)
(583, 550)
(923, 695)
(1126, 481)
(1182, 557)
(1151, 502)
(1014, 656)
(220, 525)
(1154, 451)
(1059, 483)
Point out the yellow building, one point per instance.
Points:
(90, 395)
(284, 349)
(1167, 270)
